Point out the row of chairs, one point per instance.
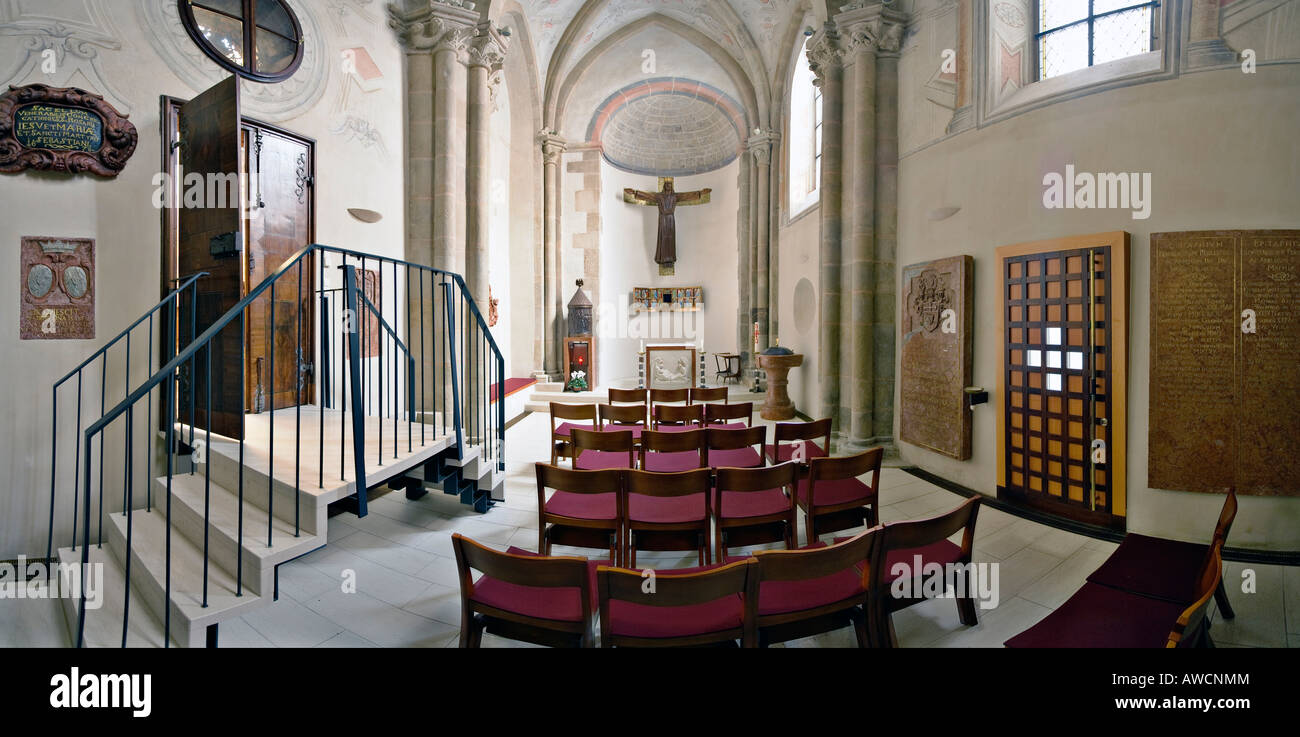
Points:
(1151, 592)
(692, 395)
(625, 509)
(766, 598)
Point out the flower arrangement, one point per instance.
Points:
(577, 382)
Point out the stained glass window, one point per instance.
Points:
(257, 39)
(1075, 34)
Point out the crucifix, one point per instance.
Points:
(667, 201)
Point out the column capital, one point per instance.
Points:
(871, 28)
(825, 52)
(487, 48)
(761, 144)
(552, 146)
(435, 25)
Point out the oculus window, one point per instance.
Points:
(1076, 34)
(259, 40)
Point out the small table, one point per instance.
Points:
(778, 405)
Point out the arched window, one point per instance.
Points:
(805, 142)
(1075, 34)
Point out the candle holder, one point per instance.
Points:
(703, 370)
(640, 370)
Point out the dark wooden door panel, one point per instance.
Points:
(210, 146)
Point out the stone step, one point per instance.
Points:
(104, 623)
(189, 617)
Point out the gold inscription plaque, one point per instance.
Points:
(1225, 362)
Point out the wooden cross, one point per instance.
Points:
(667, 200)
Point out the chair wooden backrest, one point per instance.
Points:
(614, 441)
(674, 442)
(720, 413)
(812, 563)
(581, 412)
(1193, 617)
(578, 482)
(784, 476)
(669, 485)
(717, 438)
(625, 396)
(919, 533)
(670, 396)
(682, 589)
(1226, 517)
(667, 414)
(791, 431)
(633, 414)
(521, 570)
(713, 394)
(845, 467)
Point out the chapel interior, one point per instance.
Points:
(650, 323)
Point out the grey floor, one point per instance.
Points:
(406, 594)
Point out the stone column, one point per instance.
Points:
(744, 319)
(885, 336)
(486, 54)
(963, 116)
(448, 150)
(859, 255)
(760, 147)
(1205, 45)
(824, 60)
(552, 149)
(774, 240)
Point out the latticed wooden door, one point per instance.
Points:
(1058, 416)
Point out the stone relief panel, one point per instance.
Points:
(57, 284)
(937, 355)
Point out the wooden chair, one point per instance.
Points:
(627, 396)
(561, 438)
(668, 396)
(714, 606)
(718, 414)
(1167, 569)
(599, 450)
(816, 589)
(623, 417)
(701, 395)
(525, 596)
(832, 498)
(671, 418)
(735, 448)
(1102, 617)
(673, 452)
(901, 544)
(754, 506)
(786, 434)
(668, 511)
(586, 510)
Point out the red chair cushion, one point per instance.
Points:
(565, 429)
(628, 619)
(728, 425)
(942, 552)
(780, 597)
(634, 429)
(663, 510)
(1153, 566)
(601, 460)
(673, 462)
(583, 506)
(783, 452)
(677, 428)
(838, 491)
(735, 458)
(1098, 616)
(741, 504)
(558, 603)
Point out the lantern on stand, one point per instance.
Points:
(580, 345)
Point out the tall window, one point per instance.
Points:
(805, 143)
(1074, 34)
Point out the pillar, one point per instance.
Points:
(824, 59)
(552, 300)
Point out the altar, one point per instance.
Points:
(671, 365)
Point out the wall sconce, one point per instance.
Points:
(942, 213)
(364, 215)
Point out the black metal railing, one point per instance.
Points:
(401, 347)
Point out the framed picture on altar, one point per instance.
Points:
(671, 366)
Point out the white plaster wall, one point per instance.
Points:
(1222, 152)
(500, 167)
(800, 259)
(120, 215)
(706, 253)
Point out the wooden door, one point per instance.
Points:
(209, 237)
(1061, 381)
(280, 340)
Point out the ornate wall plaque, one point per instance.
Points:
(57, 282)
(62, 129)
(1225, 347)
(937, 355)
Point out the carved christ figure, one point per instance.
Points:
(667, 200)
